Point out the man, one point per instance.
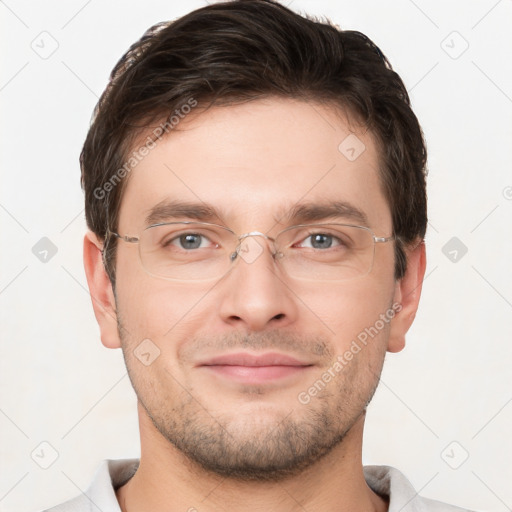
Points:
(255, 193)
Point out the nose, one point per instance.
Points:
(256, 294)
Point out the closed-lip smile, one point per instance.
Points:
(252, 368)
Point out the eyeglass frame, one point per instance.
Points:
(240, 238)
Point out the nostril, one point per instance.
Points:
(279, 316)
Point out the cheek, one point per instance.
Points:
(158, 309)
(345, 312)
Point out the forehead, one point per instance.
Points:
(257, 162)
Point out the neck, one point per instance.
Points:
(167, 480)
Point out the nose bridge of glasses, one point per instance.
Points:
(254, 233)
(248, 248)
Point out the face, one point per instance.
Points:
(198, 380)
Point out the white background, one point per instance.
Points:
(452, 382)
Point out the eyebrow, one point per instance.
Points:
(313, 212)
(168, 210)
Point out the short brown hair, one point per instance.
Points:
(244, 50)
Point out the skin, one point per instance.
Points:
(209, 443)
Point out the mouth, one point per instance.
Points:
(255, 369)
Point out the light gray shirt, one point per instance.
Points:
(384, 480)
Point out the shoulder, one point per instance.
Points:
(101, 495)
(391, 483)
(78, 504)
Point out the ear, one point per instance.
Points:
(407, 293)
(100, 289)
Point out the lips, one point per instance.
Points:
(246, 359)
(255, 369)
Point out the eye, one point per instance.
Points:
(189, 241)
(320, 241)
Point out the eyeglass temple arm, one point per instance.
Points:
(126, 238)
(383, 239)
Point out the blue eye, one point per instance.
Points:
(190, 241)
(320, 241)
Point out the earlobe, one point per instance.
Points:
(407, 294)
(100, 289)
